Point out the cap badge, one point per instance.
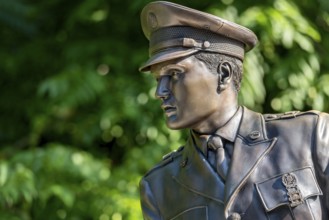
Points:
(152, 20)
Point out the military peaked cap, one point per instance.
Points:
(176, 31)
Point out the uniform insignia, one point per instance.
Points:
(289, 180)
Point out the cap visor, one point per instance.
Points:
(165, 56)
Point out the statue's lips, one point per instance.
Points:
(168, 109)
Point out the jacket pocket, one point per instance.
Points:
(292, 189)
(194, 213)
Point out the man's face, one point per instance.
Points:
(188, 91)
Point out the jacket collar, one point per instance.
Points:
(250, 147)
(228, 132)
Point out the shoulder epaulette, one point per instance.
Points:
(172, 154)
(286, 115)
(166, 159)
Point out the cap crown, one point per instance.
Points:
(175, 31)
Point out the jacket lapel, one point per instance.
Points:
(198, 176)
(250, 147)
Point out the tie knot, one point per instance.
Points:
(215, 142)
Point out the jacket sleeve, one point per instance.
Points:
(322, 155)
(149, 207)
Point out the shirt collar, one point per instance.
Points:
(228, 132)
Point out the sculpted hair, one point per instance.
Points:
(212, 61)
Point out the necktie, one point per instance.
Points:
(215, 143)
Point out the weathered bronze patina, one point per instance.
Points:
(236, 163)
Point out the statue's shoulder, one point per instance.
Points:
(290, 115)
(168, 160)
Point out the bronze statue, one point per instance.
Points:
(236, 164)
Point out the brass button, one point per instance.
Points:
(206, 44)
(234, 216)
(183, 163)
(271, 117)
(254, 135)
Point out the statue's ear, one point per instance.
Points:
(224, 75)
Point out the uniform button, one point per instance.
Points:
(183, 163)
(254, 135)
(271, 117)
(234, 216)
(206, 44)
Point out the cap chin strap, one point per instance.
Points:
(180, 42)
(191, 44)
(183, 37)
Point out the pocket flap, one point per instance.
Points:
(273, 192)
(197, 213)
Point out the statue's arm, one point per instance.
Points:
(322, 154)
(149, 207)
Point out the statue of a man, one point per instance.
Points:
(236, 164)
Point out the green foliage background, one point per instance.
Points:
(79, 124)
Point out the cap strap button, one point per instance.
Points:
(206, 44)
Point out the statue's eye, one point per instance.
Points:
(175, 74)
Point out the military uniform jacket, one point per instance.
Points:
(279, 171)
